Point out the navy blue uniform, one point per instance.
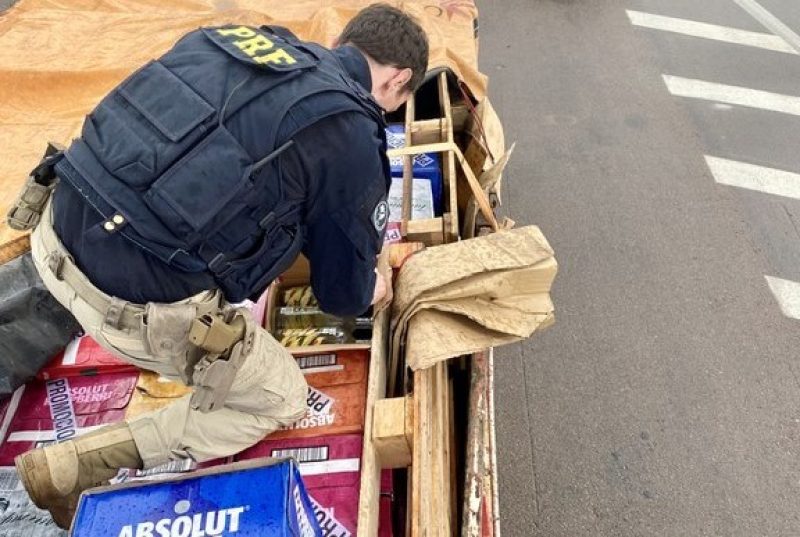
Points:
(334, 178)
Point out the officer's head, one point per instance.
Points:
(396, 48)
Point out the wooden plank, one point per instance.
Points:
(370, 465)
(393, 431)
(443, 394)
(461, 115)
(428, 231)
(421, 463)
(432, 494)
(417, 149)
(474, 463)
(428, 131)
(448, 164)
(14, 248)
(408, 170)
(492, 433)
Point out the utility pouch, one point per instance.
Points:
(228, 341)
(167, 336)
(26, 211)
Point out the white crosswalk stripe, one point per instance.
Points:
(770, 21)
(754, 177)
(729, 172)
(710, 31)
(787, 293)
(722, 93)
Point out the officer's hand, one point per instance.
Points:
(383, 283)
(380, 288)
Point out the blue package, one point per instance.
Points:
(425, 165)
(264, 497)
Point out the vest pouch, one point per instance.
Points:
(119, 148)
(197, 188)
(275, 252)
(145, 124)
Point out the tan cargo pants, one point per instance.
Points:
(268, 391)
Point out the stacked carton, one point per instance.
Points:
(327, 442)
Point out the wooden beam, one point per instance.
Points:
(428, 231)
(429, 131)
(408, 170)
(393, 431)
(448, 163)
(14, 248)
(432, 493)
(370, 464)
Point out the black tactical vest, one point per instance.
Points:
(158, 161)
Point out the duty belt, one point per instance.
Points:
(118, 313)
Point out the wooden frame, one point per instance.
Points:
(436, 134)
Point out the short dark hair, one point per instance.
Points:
(390, 37)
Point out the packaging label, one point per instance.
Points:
(421, 200)
(218, 522)
(393, 233)
(327, 521)
(318, 363)
(318, 402)
(62, 412)
(306, 530)
(320, 411)
(303, 454)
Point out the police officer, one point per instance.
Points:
(194, 184)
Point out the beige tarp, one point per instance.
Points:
(473, 294)
(58, 58)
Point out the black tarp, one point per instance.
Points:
(33, 325)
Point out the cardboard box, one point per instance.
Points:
(424, 166)
(421, 200)
(386, 505)
(298, 274)
(83, 356)
(336, 394)
(154, 392)
(330, 467)
(79, 404)
(247, 498)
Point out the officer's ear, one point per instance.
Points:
(399, 80)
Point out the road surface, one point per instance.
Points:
(657, 148)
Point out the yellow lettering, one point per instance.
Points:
(254, 44)
(241, 31)
(280, 56)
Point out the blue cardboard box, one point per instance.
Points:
(424, 166)
(265, 497)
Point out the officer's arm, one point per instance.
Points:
(346, 216)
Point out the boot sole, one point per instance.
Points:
(32, 468)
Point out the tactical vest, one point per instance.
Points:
(158, 161)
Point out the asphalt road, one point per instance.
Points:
(665, 400)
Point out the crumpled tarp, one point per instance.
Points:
(467, 296)
(58, 58)
(33, 325)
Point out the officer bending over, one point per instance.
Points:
(194, 184)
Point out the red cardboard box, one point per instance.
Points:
(79, 404)
(336, 394)
(83, 356)
(331, 470)
(386, 507)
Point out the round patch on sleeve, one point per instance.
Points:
(380, 216)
